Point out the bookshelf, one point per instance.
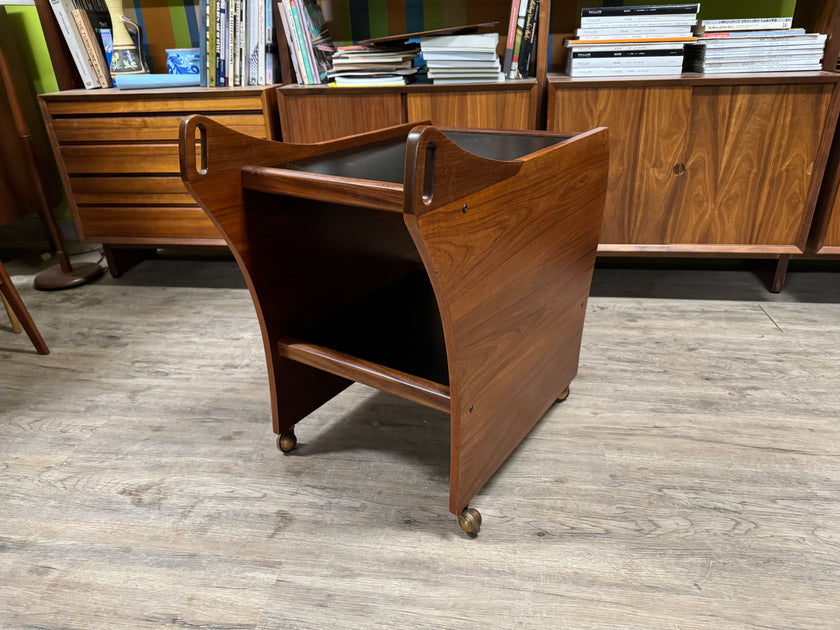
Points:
(701, 165)
(712, 165)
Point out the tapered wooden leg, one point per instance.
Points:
(18, 310)
(778, 281)
(13, 320)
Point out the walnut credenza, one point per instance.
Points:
(117, 152)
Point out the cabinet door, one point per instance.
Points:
(749, 160)
(318, 117)
(647, 130)
(508, 109)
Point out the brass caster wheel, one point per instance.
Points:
(563, 395)
(287, 441)
(470, 521)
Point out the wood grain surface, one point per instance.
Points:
(691, 480)
(703, 165)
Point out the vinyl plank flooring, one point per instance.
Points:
(691, 480)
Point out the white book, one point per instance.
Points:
(364, 81)
(744, 24)
(610, 72)
(474, 55)
(756, 67)
(626, 62)
(465, 63)
(727, 53)
(498, 78)
(638, 20)
(63, 10)
(475, 41)
(644, 31)
(455, 72)
(778, 40)
(627, 47)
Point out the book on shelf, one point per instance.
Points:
(63, 10)
(648, 9)
(625, 71)
(517, 40)
(511, 37)
(744, 24)
(666, 19)
(634, 31)
(529, 36)
(95, 50)
(767, 33)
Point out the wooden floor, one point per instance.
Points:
(691, 480)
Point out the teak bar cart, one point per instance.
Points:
(447, 266)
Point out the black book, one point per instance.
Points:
(648, 9)
(529, 34)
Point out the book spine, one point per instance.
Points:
(86, 32)
(517, 44)
(609, 72)
(650, 31)
(627, 62)
(74, 43)
(511, 36)
(270, 45)
(662, 9)
(745, 24)
(301, 43)
(221, 45)
(770, 33)
(261, 42)
(285, 18)
(638, 20)
(528, 37)
(202, 44)
(625, 54)
(211, 42)
(306, 26)
(627, 47)
(236, 43)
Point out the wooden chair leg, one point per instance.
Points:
(13, 320)
(17, 310)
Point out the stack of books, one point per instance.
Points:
(371, 65)
(631, 40)
(462, 58)
(754, 45)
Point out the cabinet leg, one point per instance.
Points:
(778, 282)
(121, 260)
(563, 395)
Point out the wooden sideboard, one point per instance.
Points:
(117, 152)
(707, 165)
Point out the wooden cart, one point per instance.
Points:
(447, 266)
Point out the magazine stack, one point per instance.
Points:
(631, 40)
(371, 65)
(462, 58)
(754, 45)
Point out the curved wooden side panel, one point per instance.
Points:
(303, 260)
(512, 275)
